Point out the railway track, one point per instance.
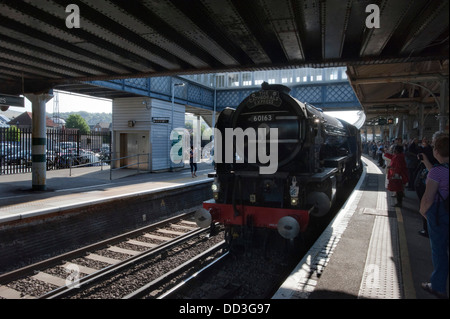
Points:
(70, 273)
(255, 273)
(154, 262)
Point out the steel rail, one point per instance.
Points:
(174, 272)
(102, 273)
(24, 271)
(194, 276)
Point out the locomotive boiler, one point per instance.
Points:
(279, 162)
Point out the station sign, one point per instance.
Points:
(10, 100)
(163, 120)
(382, 121)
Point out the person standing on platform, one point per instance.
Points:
(433, 208)
(422, 172)
(193, 162)
(412, 161)
(380, 155)
(397, 173)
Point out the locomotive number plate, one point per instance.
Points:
(261, 118)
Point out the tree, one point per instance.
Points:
(13, 134)
(76, 121)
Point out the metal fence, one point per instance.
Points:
(65, 147)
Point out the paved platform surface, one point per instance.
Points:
(83, 185)
(371, 250)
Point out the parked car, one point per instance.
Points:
(86, 157)
(67, 145)
(19, 158)
(4, 149)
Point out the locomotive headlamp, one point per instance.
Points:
(215, 187)
(293, 191)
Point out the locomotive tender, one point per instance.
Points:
(316, 154)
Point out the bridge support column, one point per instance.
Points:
(39, 140)
(421, 120)
(443, 106)
(405, 134)
(391, 132)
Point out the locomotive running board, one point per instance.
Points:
(326, 173)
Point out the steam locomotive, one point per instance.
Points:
(279, 163)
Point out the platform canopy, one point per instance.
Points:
(49, 42)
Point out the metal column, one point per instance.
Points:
(39, 140)
(421, 120)
(443, 106)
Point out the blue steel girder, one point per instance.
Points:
(330, 96)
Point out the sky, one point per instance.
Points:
(71, 102)
(349, 116)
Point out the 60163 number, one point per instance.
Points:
(262, 118)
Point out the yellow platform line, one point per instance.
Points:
(408, 284)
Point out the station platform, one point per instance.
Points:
(371, 250)
(84, 186)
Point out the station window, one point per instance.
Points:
(271, 81)
(220, 80)
(233, 79)
(211, 78)
(286, 76)
(247, 79)
(259, 77)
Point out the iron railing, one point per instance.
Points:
(64, 148)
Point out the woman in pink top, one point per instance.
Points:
(432, 207)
